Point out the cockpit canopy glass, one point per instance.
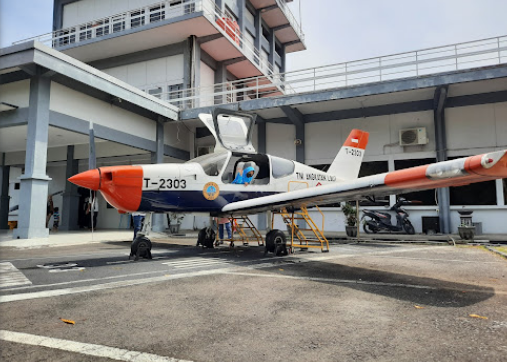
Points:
(211, 163)
(233, 130)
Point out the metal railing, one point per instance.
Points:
(159, 11)
(474, 54)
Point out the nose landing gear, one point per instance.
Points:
(141, 246)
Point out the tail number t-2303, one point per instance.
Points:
(353, 152)
(165, 183)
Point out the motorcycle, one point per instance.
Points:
(381, 221)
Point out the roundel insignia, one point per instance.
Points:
(211, 191)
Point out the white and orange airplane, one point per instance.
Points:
(210, 183)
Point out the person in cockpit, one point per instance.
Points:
(246, 177)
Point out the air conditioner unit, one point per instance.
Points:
(204, 150)
(413, 136)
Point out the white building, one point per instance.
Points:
(138, 72)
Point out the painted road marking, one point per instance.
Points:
(126, 283)
(61, 268)
(87, 349)
(10, 276)
(195, 262)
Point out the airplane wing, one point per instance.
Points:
(457, 172)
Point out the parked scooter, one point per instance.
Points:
(381, 221)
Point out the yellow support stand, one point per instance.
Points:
(245, 230)
(318, 241)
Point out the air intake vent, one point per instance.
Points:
(413, 136)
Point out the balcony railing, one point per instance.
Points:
(419, 63)
(292, 20)
(156, 12)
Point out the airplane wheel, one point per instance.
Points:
(140, 248)
(276, 243)
(206, 237)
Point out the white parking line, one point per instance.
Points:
(10, 276)
(87, 349)
(195, 262)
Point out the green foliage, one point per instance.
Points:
(350, 214)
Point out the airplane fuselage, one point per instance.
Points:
(188, 187)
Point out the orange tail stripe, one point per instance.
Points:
(357, 139)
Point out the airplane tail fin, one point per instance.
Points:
(347, 162)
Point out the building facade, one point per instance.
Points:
(122, 82)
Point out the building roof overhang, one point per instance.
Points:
(28, 59)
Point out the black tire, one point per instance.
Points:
(206, 238)
(276, 242)
(369, 229)
(141, 248)
(408, 227)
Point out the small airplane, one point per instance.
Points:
(236, 180)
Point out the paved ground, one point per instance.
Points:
(359, 302)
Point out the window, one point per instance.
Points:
(85, 32)
(157, 13)
(102, 27)
(426, 197)
(481, 193)
(16, 186)
(175, 92)
(189, 8)
(137, 18)
(156, 92)
(504, 181)
(281, 167)
(118, 23)
(211, 163)
(370, 169)
(66, 36)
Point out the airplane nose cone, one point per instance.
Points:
(89, 179)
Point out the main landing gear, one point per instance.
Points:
(141, 246)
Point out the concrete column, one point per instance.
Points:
(158, 157)
(241, 15)
(261, 144)
(70, 207)
(220, 77)
(258, 30)
(444, 198)
(4, 196)
(34, 182)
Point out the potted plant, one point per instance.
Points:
(466, 229)
(466, 232)
(175, 220)
(351, 219)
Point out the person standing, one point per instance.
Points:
(224, 221)
(56, 219)
(93, 207)
(49, 209)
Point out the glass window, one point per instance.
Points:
(137, 18)
(85, 32)
(211, 163)
(157, 13)
(481, 193)
(370, 169)
(156, 92)
(233, 130)
(426, 197)
(101, 27)
(118, 23)
(281, 167)
(504, 191)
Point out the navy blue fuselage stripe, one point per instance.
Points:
(193, 201)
